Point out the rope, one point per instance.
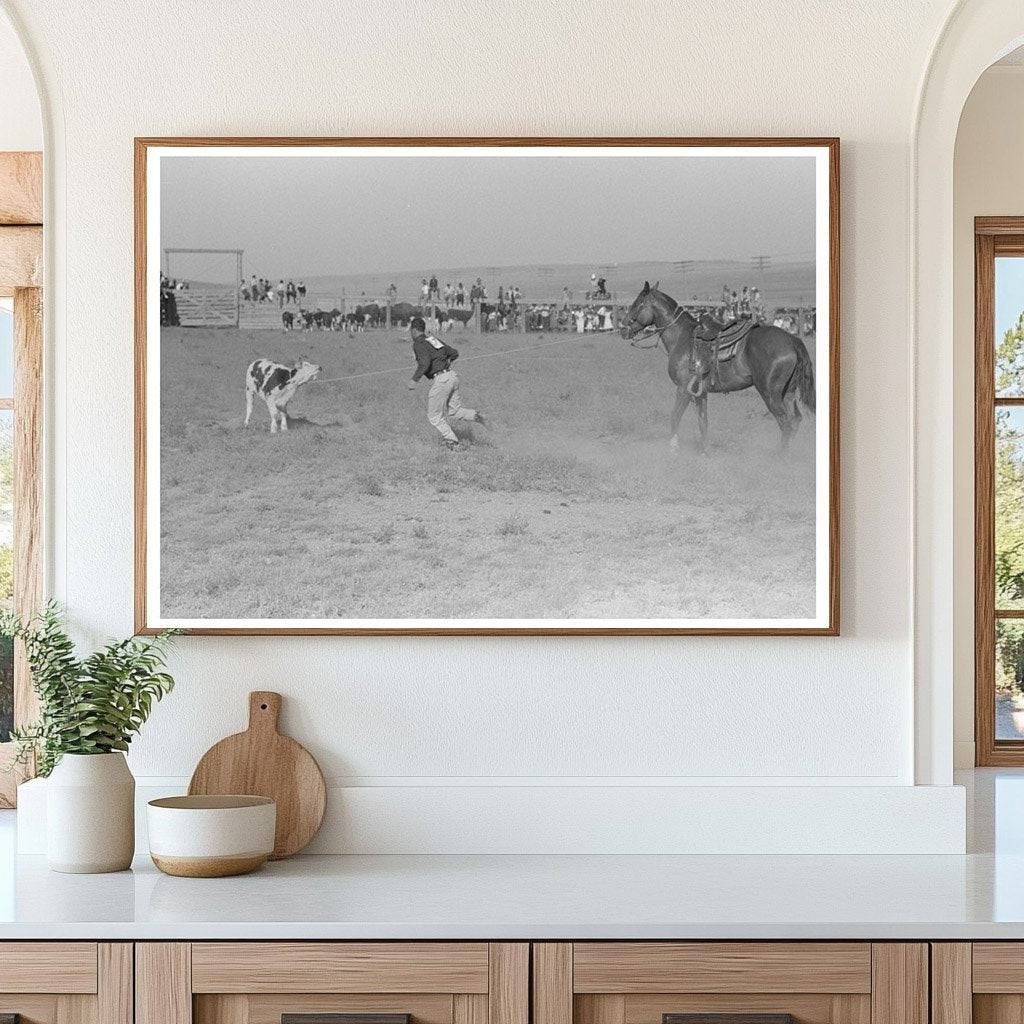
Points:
(467, 359)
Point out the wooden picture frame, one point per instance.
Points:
(826, 619)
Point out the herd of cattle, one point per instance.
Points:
(370, 315)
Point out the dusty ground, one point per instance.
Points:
(569, 504)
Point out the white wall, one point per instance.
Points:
(988, 181)
(443, 713)
(21, 125)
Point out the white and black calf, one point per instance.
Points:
(276, 385)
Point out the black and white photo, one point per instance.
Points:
(462, 386)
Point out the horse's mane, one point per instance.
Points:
(669, 301)
(671, 305)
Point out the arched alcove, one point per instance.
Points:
(976, 33)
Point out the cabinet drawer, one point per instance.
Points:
(734, 982)
(998, 967)
(69, 967)
(635, 967)
(66, 982)
(262, 982)
(340, 967)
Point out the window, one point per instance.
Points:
(6, 510)
(999, 490)
(20, 505)
(21, 375)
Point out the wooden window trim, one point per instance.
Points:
(21, 253)
(993, 236)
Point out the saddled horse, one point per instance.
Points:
(769, 359)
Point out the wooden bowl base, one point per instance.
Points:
(209, 867)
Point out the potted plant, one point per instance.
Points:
(89, 710)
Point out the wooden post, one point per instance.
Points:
(478, 313)
(387, 312)
(552, 983)
(508, 983)
(115, 983)
(899, 983)
(238, 288)
(163, 983)
(951, 982)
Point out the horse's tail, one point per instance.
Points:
(802, 383)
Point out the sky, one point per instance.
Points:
(1009, 293)
(312, 216)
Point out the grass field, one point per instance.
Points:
(568, 504)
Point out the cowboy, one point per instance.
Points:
(433, 361)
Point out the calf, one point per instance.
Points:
(276, 385)
(288, 319)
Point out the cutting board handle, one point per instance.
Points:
(264, 710)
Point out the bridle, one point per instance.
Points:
(651, 331)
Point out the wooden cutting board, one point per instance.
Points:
(262, 762)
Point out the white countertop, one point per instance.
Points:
(532, 897)
(978, 896)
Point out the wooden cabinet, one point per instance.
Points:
(980, 982)
(66, 982)
(493, 983)
(260, 982)
(815, 982)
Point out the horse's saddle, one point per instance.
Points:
(726, 339)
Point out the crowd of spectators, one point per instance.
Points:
(504, 309)
(455, 295)
(262, 289)
(736, 305)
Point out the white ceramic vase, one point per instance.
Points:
(90, 814)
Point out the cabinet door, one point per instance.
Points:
(980, 982)
(332, 983)
(66, 982)
(737, 982)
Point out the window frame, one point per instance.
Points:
(21, 259)
(993, 237)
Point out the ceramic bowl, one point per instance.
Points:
(211, 836)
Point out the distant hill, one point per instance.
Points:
(784, 284)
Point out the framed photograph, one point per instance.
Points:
(487, 386)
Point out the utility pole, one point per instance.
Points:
(761, 264)
(684, 267)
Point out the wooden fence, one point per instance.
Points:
(207, 308)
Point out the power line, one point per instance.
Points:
(761, 264)
(684, 267)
